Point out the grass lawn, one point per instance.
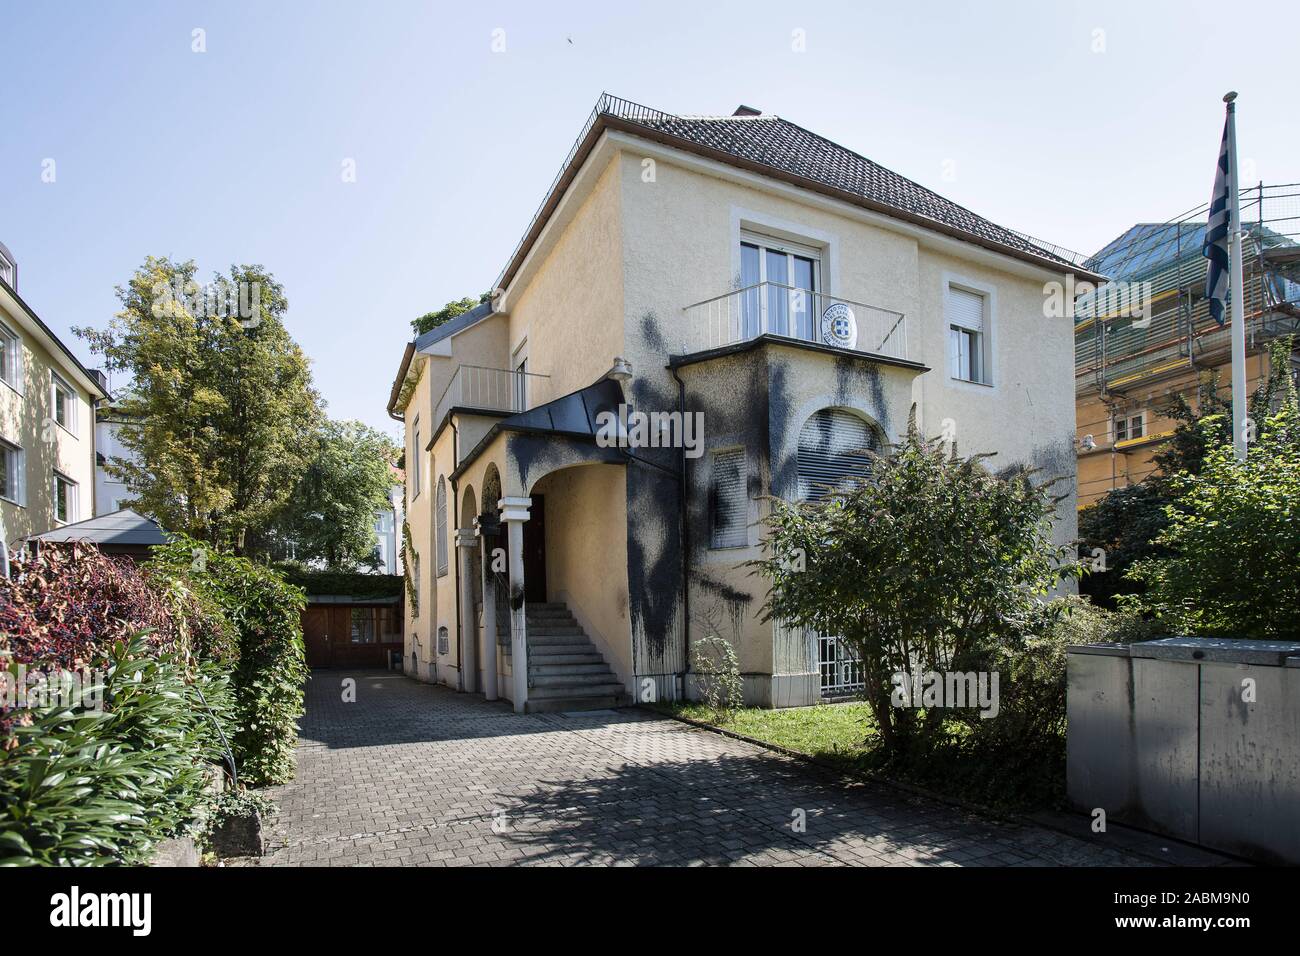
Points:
(842, 735)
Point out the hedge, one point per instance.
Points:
(266, 614)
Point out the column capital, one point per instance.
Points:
(515, 509)
(465, 538)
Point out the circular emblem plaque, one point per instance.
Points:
(840, 326)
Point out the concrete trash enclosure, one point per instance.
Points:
(1195, 738)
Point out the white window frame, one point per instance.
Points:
(73, 500)
(59, 384)
(1128, 420)
(791, 249)
(8, 269)
(414, 462)
(19, 497)
(987, 336)
(741, 539)
(12, 377)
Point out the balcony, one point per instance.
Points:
(487, 389)
(769, 308)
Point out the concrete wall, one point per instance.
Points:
(27, 421)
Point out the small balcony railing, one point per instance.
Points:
(488, 389)
(769, 308)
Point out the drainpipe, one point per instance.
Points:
(455, 570)
(684, 522)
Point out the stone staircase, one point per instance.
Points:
(565, 671)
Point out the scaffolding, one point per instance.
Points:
(1160, 265)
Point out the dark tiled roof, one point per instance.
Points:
(780, 144)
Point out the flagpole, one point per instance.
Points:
(1236, 289)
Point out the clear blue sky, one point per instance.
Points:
(235, 155)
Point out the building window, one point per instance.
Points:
(413, 460)
(11, 472)
(728, 500)
(521, 387)
(363, 625)
(64, 401)
(65, 498)
(785, 306)
(7, 271)
(11, 357)
(440, 520)
(835, 449)
(1130, 426)
(966, 315)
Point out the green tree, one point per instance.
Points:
(1233, 568)
(221, 410)
(1126, 523)
(330, 516)
(431, 320)
(932, 564)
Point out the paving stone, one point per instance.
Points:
(419, 775)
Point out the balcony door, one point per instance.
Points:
(781, 281)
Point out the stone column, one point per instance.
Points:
(486, 543)
(465, 542)
(514, 512)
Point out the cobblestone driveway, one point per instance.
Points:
(413, 774)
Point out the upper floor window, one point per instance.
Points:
(11, 357)
(6, 270)
(728, 500)
(440, 522)
(780, 280)
(1130, 426)
(65, 498)
(966, 316)
(64, 400)
(413, 460)
(11, 472)
(521, 386)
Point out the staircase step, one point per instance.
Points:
(547, 669)
(573, 681)
(550, 658)
(609, 689)
(548, 630)
(545, 640)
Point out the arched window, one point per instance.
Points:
(833, 446)
(440, 519)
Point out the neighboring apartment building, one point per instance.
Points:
(388, 527)
(1129, 367)
(47, 434)
(111, 492)
(801, 299)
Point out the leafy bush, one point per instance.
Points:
(1233, 568)
(82, 784)
(931, 565)
(351, 583)
(266, 613)
(718, 671)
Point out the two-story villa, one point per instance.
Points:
(47, 422)
(788, 296)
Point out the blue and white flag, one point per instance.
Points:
(1216, 236)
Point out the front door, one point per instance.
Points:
(535, 552)
(316, 633)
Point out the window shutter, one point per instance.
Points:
(965, 309)
(440, 506)
(729, 499)
(832, 452)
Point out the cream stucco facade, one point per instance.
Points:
(640, 232)
(47, 453)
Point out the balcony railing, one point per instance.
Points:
(769, 308)
(489, 389)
